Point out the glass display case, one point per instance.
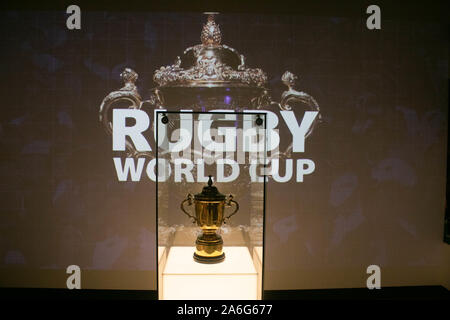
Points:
(210, 173)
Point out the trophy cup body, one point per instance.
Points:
(209, 207)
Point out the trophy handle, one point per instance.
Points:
(292, 95)
(228, 203)
(189, 201)
(288, 97)
(127, 93)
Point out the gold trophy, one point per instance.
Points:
(209, 215)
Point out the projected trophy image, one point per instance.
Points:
(265, 152)
(210, 115)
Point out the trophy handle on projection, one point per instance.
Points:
(290, 99)
(129, 95)
(293, 97)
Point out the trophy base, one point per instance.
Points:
(209, 248)
(209, 260)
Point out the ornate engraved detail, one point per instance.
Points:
(208, 69)
(129, 77)
(211, 35)
(209, 66)
(288, 78)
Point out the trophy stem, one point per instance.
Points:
(209, 247)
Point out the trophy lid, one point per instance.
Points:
(210, 64)
(209, 193)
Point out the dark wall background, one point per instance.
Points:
(377, 195)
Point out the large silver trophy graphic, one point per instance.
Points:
(201, 79)
(208, 76)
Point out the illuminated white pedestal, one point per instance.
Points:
(233, 279)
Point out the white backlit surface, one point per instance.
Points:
(234, 278)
